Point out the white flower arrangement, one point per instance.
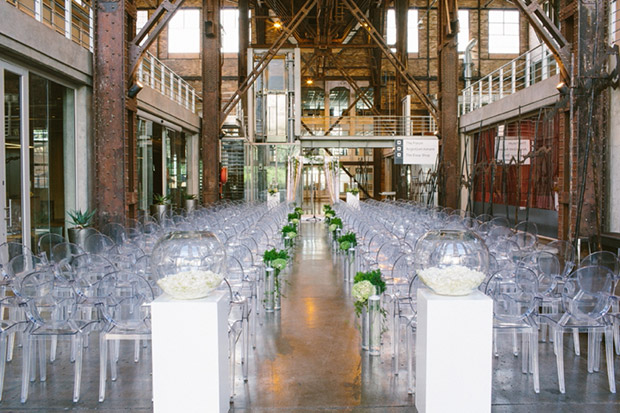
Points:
(291, 235)
(189, 285)
(453, 280)
(362, 290)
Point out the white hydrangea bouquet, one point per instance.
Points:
(190, 285)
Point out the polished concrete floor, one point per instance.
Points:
(308, 359)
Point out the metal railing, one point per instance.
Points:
(368, 125)
(158, 76)
(526, 70)
(73, 19)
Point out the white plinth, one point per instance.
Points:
(454, 353)
(190, 354)
(353, 200)
(273, 200)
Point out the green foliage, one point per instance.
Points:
(159, 199)
(189, 196)
(349, 238)
(354, 191)
(374, 277)
(273, 254)
(81, 219)
(337, 222)
(288, 228)
(272, 191)
(299, 211)
(327, 208)
(291, 217)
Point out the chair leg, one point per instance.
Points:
(3, 345)
(559, 342)
(410, 340)
(42, 359)
(53, 346)
(103, 365)
(245, 344)
(136, 351)
(77, 381)
(525, 361)
(113, 357)
(576, 341)
(232, 355)
(610, 360)
(25, 369)
(534, 359)
(591, 350)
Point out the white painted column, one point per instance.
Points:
(454, 353)
(190, 354)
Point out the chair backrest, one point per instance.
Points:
(99, 244)
(64, 251)
(565, 253)
(23, 264)
(603, 258)
(48, 299)
(10, 250)
(115, 231)
(47, 242)
(125, 305)
(514, 294)
(546, 266)
(586, 294)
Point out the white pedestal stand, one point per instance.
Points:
(454, 353)
(273, 200)
(353, 200)
(190, 354)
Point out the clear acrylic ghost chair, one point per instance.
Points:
(47, 242)
(125, 315)
(565, 252)
(115, 231)
(586, 298)
(51, 309)
(397, 288)
(65, 251)
(609, 260)
(99, 244)
(515, 305)
(8, 327)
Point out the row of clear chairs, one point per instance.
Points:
(536, 287)
(105, 285)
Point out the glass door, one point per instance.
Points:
(14, 172)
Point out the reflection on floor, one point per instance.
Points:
(308, 359)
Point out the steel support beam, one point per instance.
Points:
(548, 32)
(156, 23)
(111, 119)
(401, 13)
(391, 57)
(211, 122)
(262, 64)
(449, 171)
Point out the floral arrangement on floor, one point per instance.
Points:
(289, 231)
(276, 260)
(354, 190)
(334, 224)
(347, 241)
(329, 212)
(366, 284)
(299, 211)
(294, 218)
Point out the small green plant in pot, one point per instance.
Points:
(81, 222)
(160, 206)
(190, 202)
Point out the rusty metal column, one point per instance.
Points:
(401, 12)
(447, 27)
(376, 16)
(211, 80)
(244, 38)
(111, 120)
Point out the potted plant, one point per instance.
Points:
(190, 202)
(81, 222)
(160, 206)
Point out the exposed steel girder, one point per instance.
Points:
(267, 57)
(392, 58)
(345, 113)
(549, 33)
(156, 23)
(351, 82)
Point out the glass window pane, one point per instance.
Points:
(463, 36)
(412, 31)
(391, 27)
(229, 20)
(184, 32)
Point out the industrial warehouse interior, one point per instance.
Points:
(310, 205)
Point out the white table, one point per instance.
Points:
(190, 354)
(454, 353)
